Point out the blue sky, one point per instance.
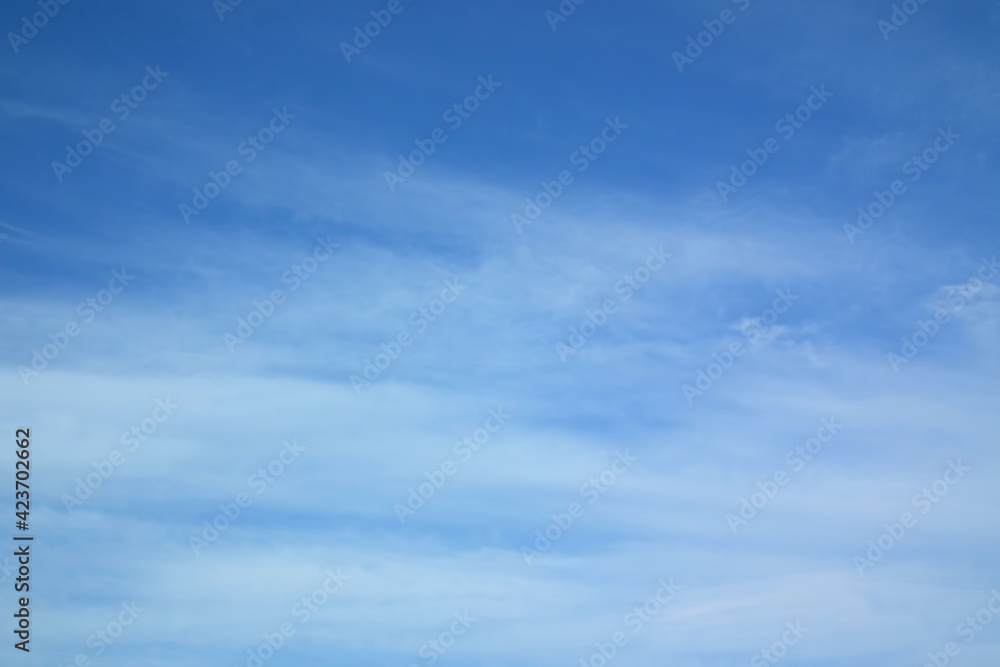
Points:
(637, 315)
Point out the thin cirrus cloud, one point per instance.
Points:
(699, 456)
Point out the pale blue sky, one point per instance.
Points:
(596, 113)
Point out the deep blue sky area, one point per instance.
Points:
(459, 342)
